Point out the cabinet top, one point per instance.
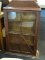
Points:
(23, 5)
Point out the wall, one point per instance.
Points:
(42, 25)
(43, 13)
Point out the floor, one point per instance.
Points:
(40, 46)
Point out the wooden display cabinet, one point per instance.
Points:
(21, 20)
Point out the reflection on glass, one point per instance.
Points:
(14, 16)
(28, 17)
(27, 27)
(27, 42)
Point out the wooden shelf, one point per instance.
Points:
(13, 20)
(11, 32)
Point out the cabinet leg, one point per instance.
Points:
(37, 55)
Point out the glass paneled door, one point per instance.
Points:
(28, 31)
(21, 31)
(14, 29)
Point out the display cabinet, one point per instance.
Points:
(21, 20)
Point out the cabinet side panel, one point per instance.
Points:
(36, 31)
(6, 29)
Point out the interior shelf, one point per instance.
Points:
(14, 20)
(12, 32)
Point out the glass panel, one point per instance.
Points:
(28, 22)
(28, 16)
(14, 16)
(20, 26)
(14, 41)
(14, 22)
(14, 27)
(28, 27)
(27, 43)
(22, 43)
